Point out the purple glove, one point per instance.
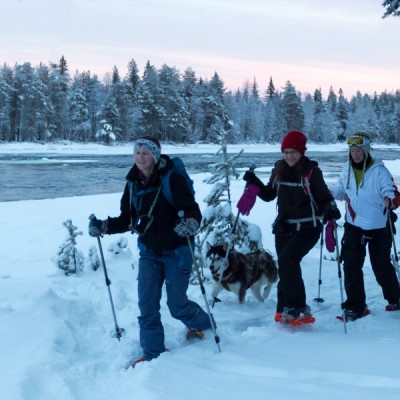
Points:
(248, 199)
(330, 242)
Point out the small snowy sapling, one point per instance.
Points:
(94, 259)
(68, 258)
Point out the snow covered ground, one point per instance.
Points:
(54, 329)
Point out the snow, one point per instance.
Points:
(55, 330)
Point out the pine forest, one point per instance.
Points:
(48, 103)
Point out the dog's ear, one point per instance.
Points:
(208, 245)
(225, 246)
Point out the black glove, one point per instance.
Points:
(97, 227)
(250, 177)
(187, 227)
(331, 211)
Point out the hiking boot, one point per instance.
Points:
(351, 315)
(296, 316)
(393, 307)
(194, 334)
(294, 312)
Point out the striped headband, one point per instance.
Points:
(150, 146)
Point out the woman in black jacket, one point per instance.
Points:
(303, 202)
(164, 253)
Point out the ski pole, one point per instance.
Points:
(228, 250)
(319, 299)
(181, 215)
(395, 255)
(340, 276)
(118, 331)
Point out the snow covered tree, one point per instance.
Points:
(214, 118)
(132, 76)
(342, 115)
(391, 8)
(79, 95)
(270, 92)
(331, 101)
(192, 89)
(6, 79)
(58, 92)
(274, 125)
(233, 105)
(105, 133)
(174, 111)
(397, 117)
(322, 129)
(148, 101)
(94, 259)
(218, 217)
(292, 108)
(115, 76)
(362, 116)
(43, 123)
(68, 258)
(22, 110)
(251, 113)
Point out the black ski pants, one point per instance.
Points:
(354, 243)
(290, 251)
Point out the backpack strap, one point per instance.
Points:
(307, 189)
(166, 187)
(305, 184)
(136, 197)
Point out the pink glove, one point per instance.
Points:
(248, 199)
(330, 242)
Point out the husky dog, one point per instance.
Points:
(242, 271)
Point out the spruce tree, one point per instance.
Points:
(68, 258)
(218, 217)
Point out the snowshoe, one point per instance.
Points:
(134, 363)
(350, 315)
(295, 316)
(194, 334)
(278, 317)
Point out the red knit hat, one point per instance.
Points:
(294, 140)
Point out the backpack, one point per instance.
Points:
(177, 166)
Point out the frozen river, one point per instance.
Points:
(42, 176)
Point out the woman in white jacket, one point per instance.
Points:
(369, 191)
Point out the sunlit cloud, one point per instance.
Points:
(311, 43)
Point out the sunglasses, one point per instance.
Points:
(358, 141)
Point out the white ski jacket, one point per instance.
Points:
(364, 205)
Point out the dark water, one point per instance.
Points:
(43, 176)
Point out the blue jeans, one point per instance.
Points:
(174, 268)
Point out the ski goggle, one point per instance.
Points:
(358, 141)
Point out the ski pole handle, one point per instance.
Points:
(251, 169)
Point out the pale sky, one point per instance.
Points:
(312, 43)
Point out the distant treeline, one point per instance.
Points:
(46, 103)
